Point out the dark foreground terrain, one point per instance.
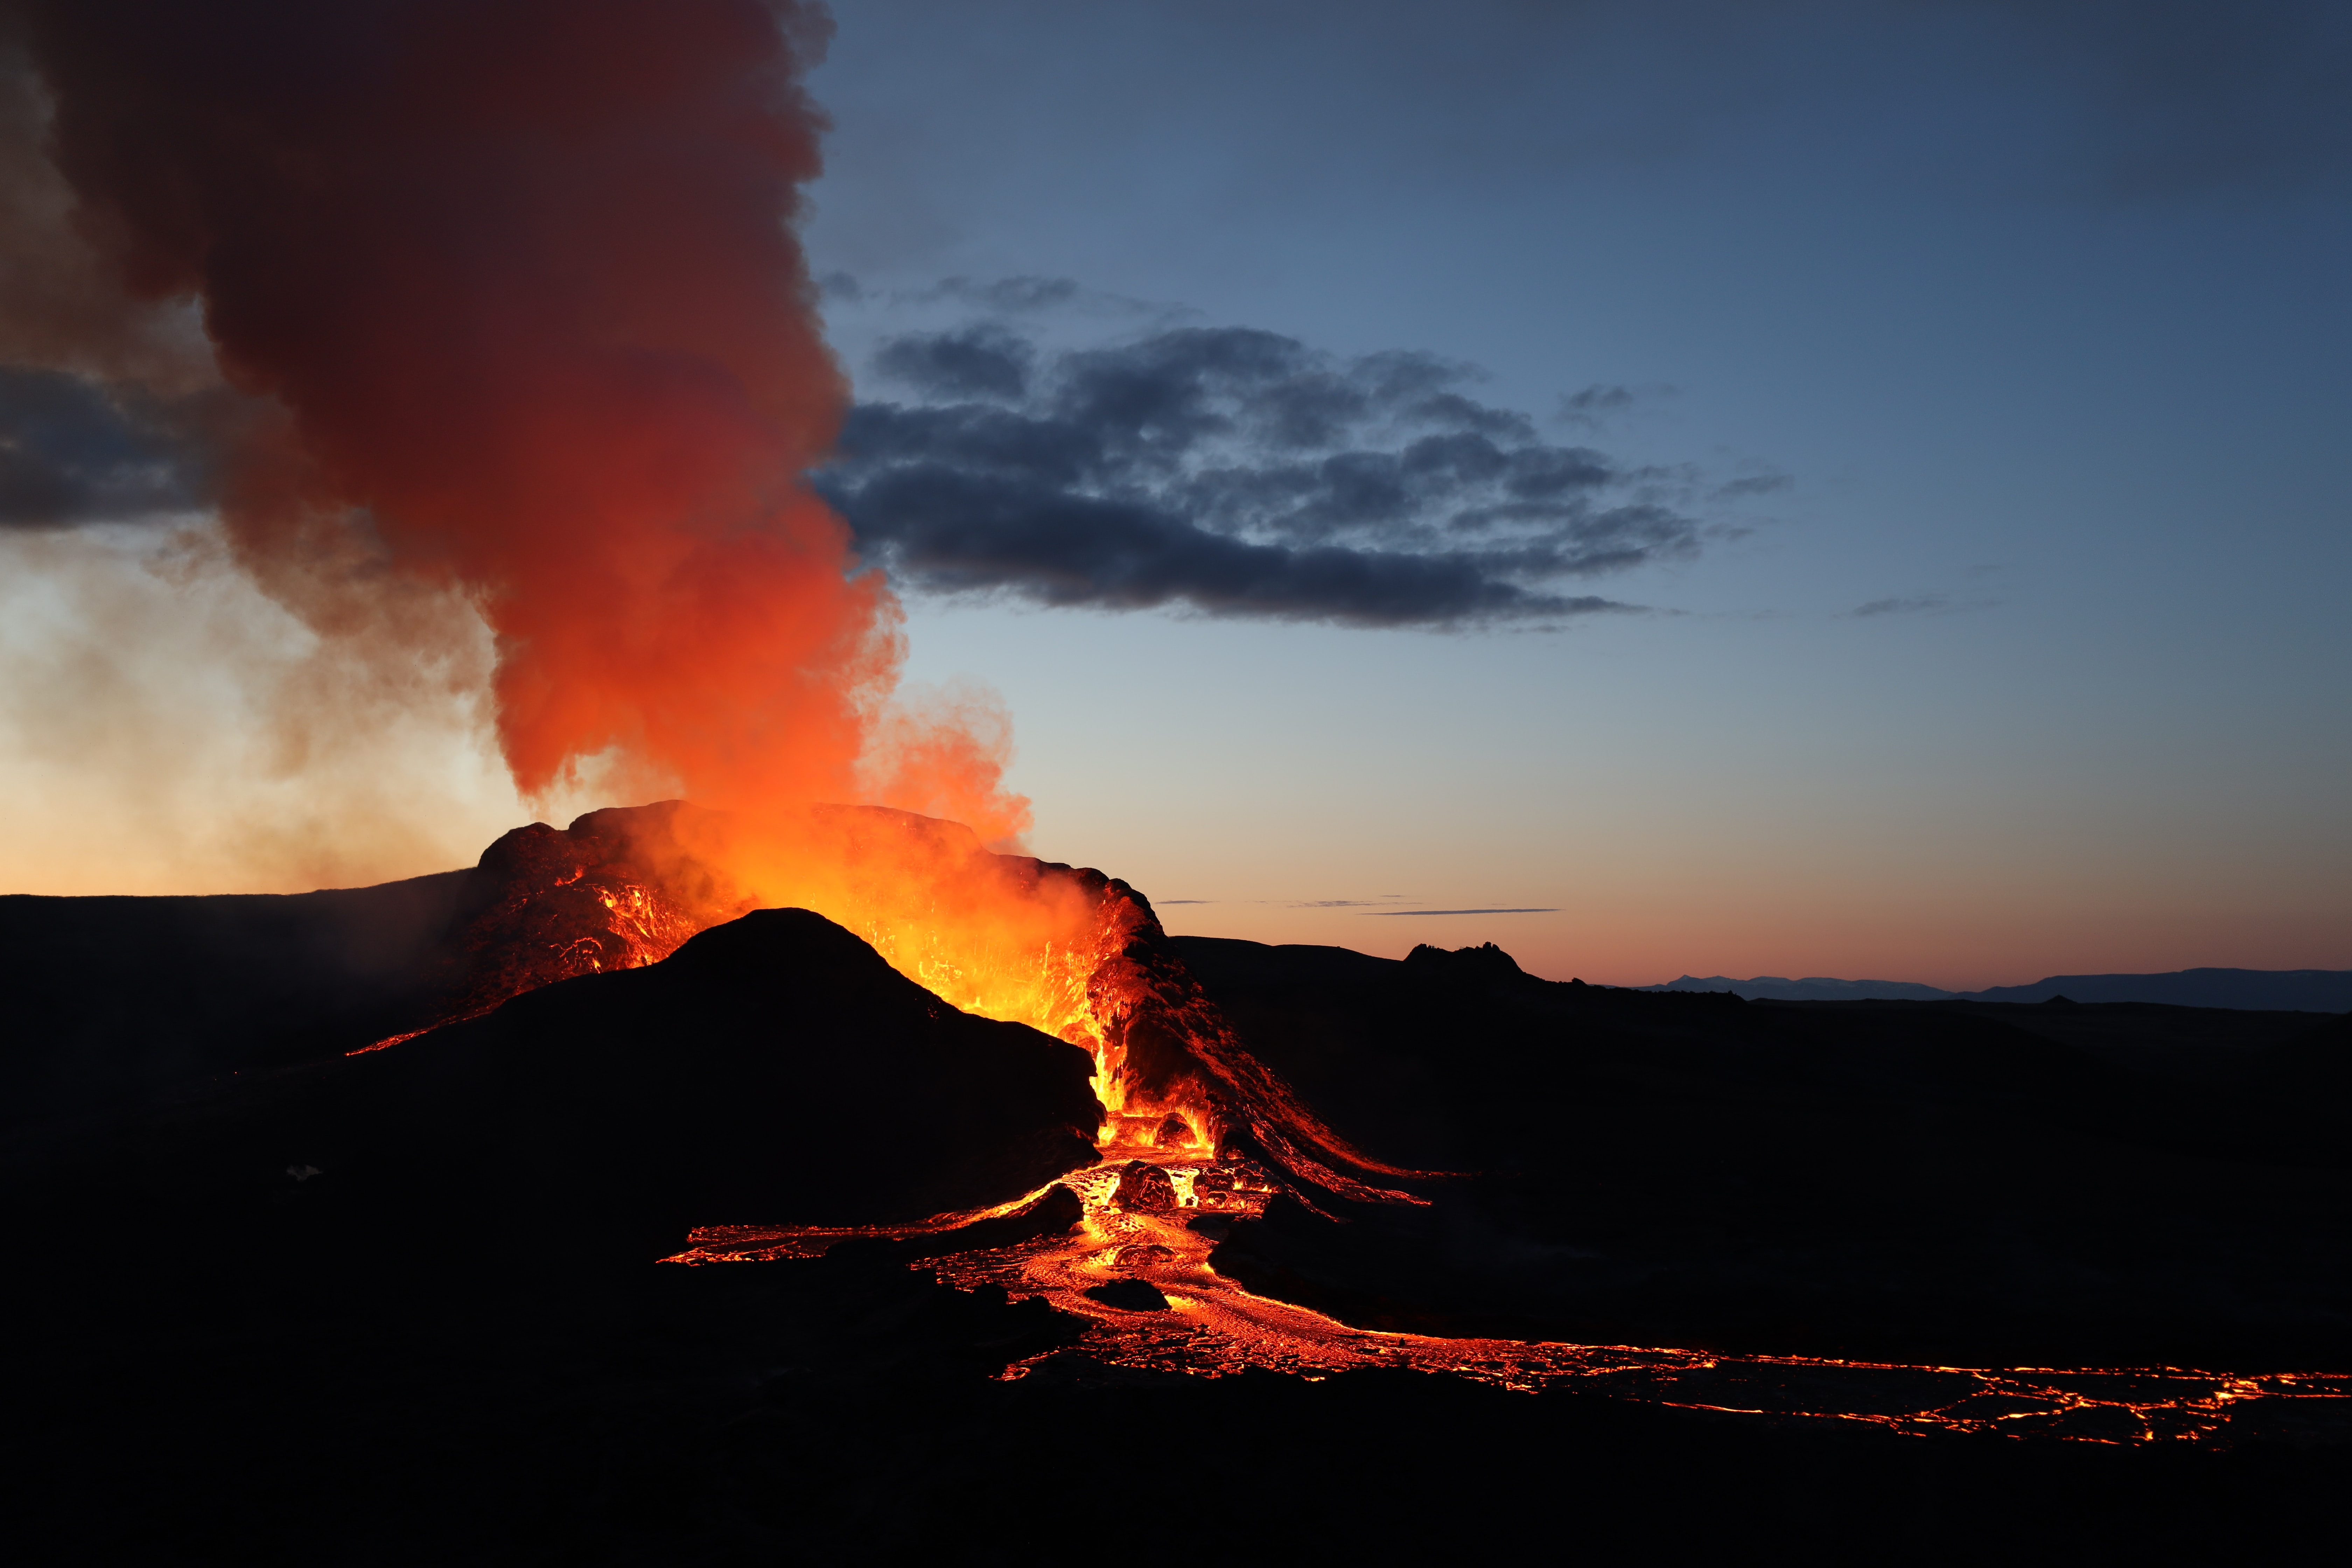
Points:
(1957, 1182)
(301, 1408)
(402, 1307)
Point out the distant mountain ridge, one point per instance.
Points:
(2259, 990)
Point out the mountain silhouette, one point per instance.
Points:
(2267, 990)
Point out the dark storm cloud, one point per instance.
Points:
(71, 453)
(983, 361)
(1234, 472)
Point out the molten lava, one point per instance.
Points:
(1206, 1325)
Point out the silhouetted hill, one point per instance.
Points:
(119, 1001)
(2271, 990)
(1904, 1180)
(1813, 988)
(2274, 990)
(113, 1003)
(772, 1070)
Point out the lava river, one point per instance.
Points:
(1211, 1327)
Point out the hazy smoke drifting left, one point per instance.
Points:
(508, 375)
(166, 728)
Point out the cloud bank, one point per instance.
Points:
(1227, 471)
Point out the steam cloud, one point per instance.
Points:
(511, 316)
(1236, 473)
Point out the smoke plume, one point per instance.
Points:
(510, 311)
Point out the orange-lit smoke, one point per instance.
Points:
(511, 290)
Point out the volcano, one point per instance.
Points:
(595, 1134)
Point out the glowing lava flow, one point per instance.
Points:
(1211, 1327)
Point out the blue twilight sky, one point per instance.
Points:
(2026, 323)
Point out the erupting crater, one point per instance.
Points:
(1196, 1136)
(1066, 951)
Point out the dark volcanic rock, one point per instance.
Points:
(1130, 1295)
(1144, 1187)
(1483, 964)
(114, 1001)
(856, 1413)
(615, 889)
(774, 1069)
(119, 1002)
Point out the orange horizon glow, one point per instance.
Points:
(1618, 933)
